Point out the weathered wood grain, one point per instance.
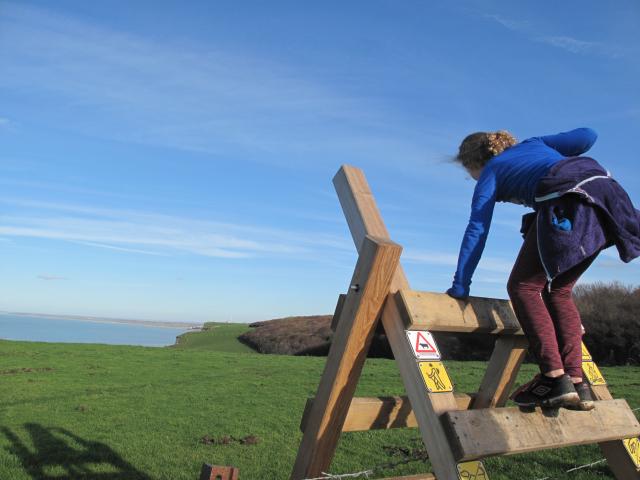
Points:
(376, 265)
(481, 433)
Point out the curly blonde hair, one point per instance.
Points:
(480, 147)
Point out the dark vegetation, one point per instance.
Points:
(610, 314)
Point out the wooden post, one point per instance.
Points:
(508, 354)
(369, 288)
(363, 218)
(616, 454)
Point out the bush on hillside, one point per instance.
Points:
(291, 336)
(610, 315)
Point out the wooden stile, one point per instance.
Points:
(455, 428)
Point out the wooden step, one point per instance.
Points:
(374, 413)
(475, 434)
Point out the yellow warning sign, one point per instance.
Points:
(435, 377)
(586, 356)
(593, 374)
(472, 471)
(633, 447)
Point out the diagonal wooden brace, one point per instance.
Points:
(369, 288)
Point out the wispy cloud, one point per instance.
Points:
(564, 42)
(186, 96)
(490, 264)
(50, 278)
(134, 231)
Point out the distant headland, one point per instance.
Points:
(85, 318)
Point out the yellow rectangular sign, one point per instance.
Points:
(593, 374)
(472, 471)
(586, 356)
(435, 377)
(633, 448)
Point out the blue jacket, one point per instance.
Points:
(513, 177)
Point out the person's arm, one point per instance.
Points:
(475, 236)
(572, 143)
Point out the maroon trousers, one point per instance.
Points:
(550, 319)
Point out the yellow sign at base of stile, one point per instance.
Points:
(592, 372)
(472, 471)
(586, 356)
(633, 448)
(435, 377)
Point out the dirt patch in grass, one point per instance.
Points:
(16, 371)
(230, 439)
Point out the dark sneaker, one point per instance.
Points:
(547, 392)
(586, 400)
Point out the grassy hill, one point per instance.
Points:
(116, 413)
(219, 337)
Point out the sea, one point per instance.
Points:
(51, 329)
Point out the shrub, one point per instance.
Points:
(610, 317)
(609, 314)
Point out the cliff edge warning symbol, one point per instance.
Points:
(423, 345)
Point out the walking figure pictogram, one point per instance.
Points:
(435, 378)
(593, 373)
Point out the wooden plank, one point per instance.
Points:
(616, 454)
(508, 354)
(481, 433)
(376, 265)
(361, 212)
(439, 312)
(363, 219)
(377, 413)
(336, 314)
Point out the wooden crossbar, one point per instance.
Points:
(505, 431)
(378, 413)
(438, 312)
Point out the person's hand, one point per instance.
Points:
(458, 292)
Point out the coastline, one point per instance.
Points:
(189, 326)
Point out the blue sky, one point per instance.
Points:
(173, 160)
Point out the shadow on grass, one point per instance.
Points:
(57, 453)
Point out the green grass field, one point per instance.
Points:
(113, 412)
(219, 337)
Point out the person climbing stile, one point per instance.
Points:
(579, 210)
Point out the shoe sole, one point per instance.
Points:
(567, 400)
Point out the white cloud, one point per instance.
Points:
(51, 277)
(148, 233)
(564, 42)
(490, 264)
